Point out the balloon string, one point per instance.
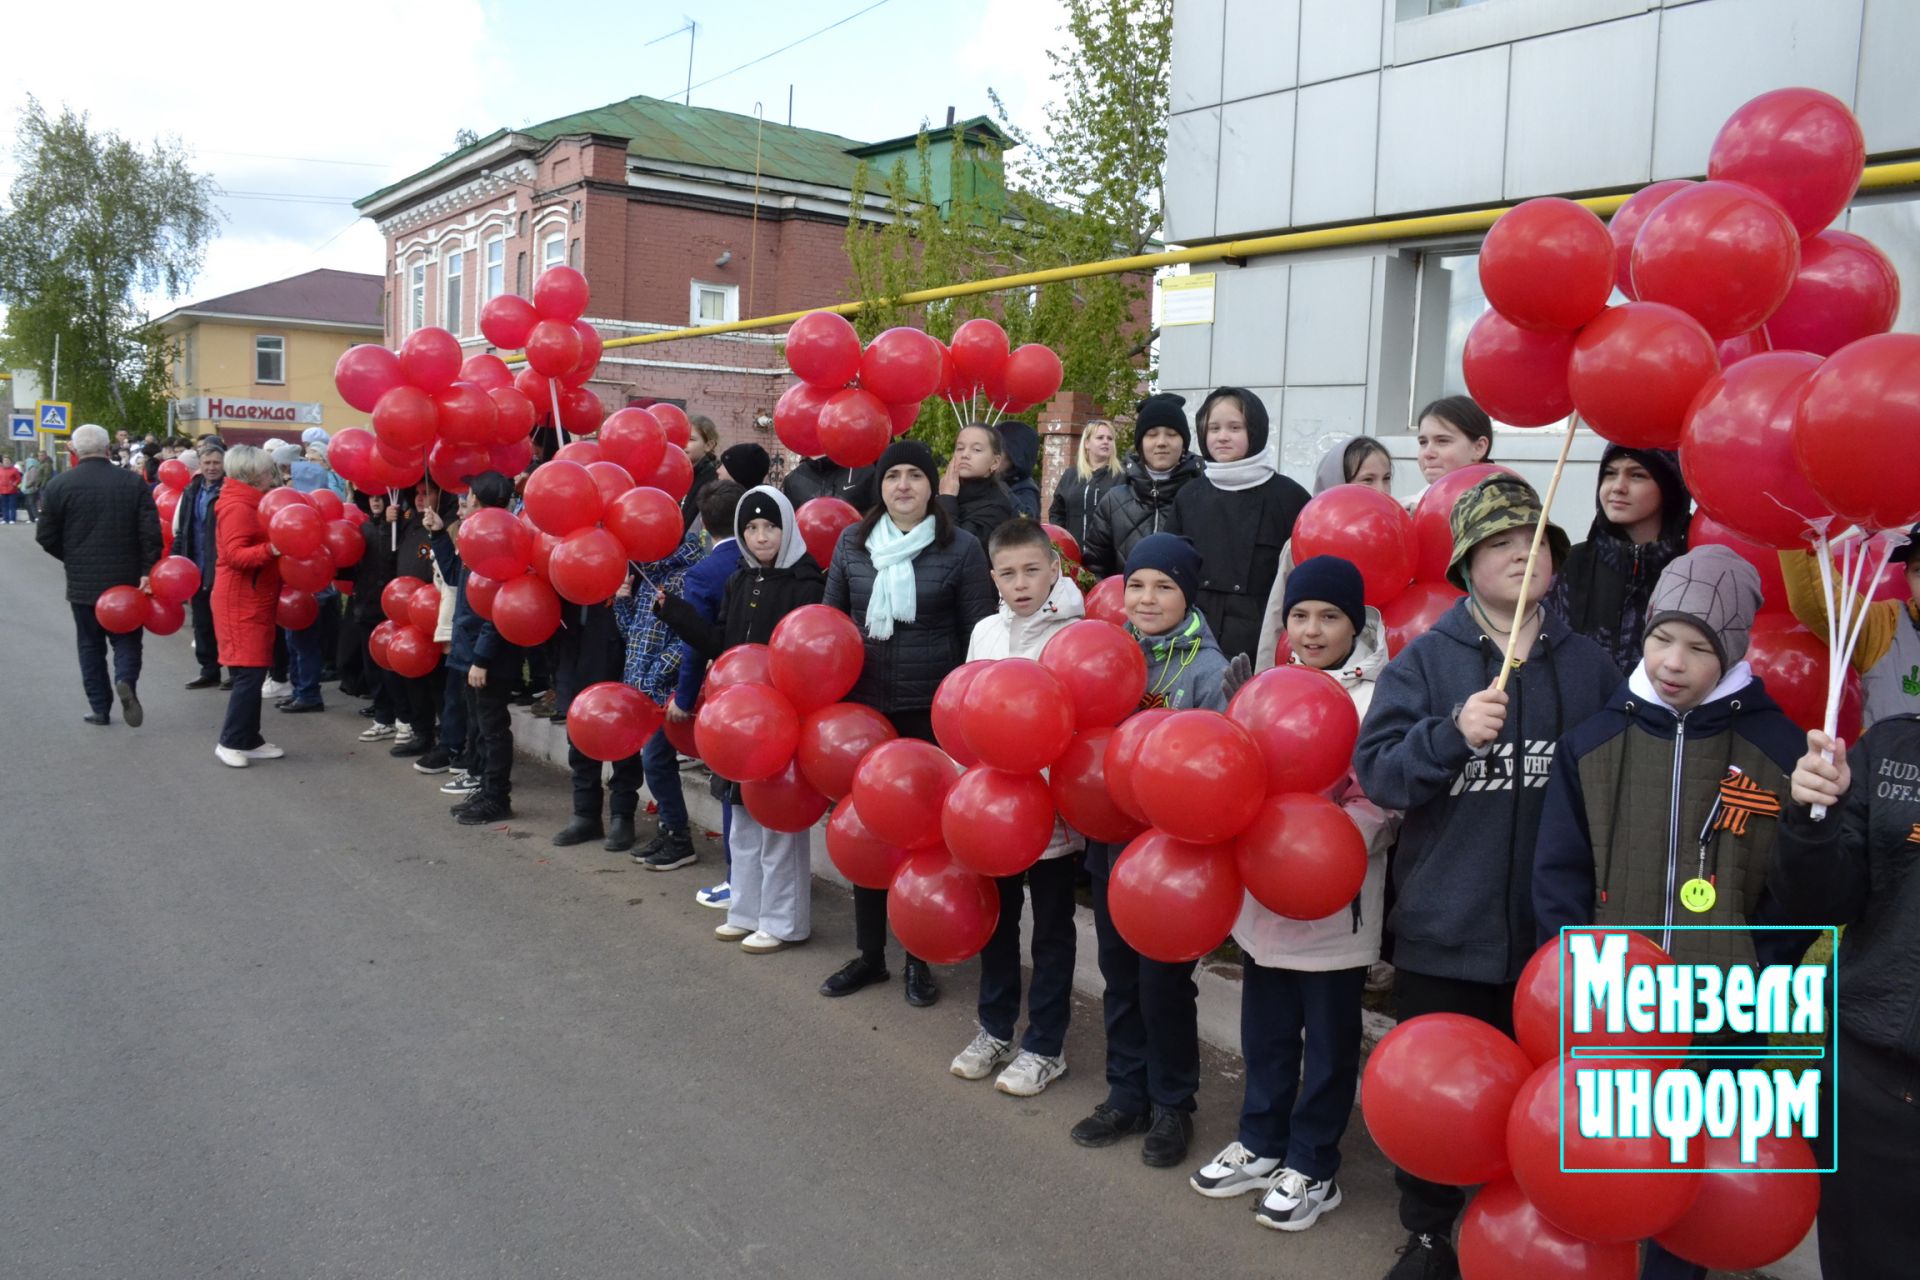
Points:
(553, 386)
(1847, 608)
(1508, 663)
(393, 529)
(642, 574)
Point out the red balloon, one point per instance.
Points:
(506, 321)
(584, 452)
(174, 474)
(610, 478)
(405, 418)
(609, 720)
(581, 410)
(1123, 753)
(493, 543)
(394, 597)
(412, 653)
(680, 734)
(1703, 530)
(486, 371)
(901, 365)
(539, 392)
(327, 503)
(526, 611)
(1845, 290)
(948, 702)
(164, 617)
(1801, 147)
(1625, 225)
(1409, 615)
(274, 501)
(1173, 900)
(423, 608)
(1032, 374)
(854, 427)
(364, 373)
(1748, 1215)
(1857, 434)
(796, 418)
(350, 454)
(560, 293)
(296, 610)
(511, 460)
(903, 416)
(1736, 450)
(591, 347)
(175, 580)
(940, 911)
(1518, 376)
(1645, 1191)
(1200, 777)
(1017, 716)
(1107, 602)
(821, 521)
(1751, 343)
(430, 359)
(1503, 1237)
(377, 641)
(747, 732)
(979, 350)
(345, 545)
(588, 566)
(899, 788)
(1545, 1031)
(1102, 669)
(553, 348)
(861, 856)
(480, 593)
(1078, 783)
(307, 573)
(1635, 370)
(1723, 253)
(815, 656)
(997, 823)
(395, 461)
(742, 664)
(561, 497)
(832, 742)
(452, 465)
(1433, 515)
(467, 414)
(1547, 264)
(674, 422)
(632, 437)
(1435, 1096)
(1304, 725)
(1302, 857)
(673, 477)
(784, 802)
(1067, 544)
(1364, 526)
(646, 521)
(122, 610)
(1793, 662)
(823, 349)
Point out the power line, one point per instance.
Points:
(783, 48)
(262, 155)
(285, 197)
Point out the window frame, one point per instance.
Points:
(489, 290)
(729, 304)
(548, 256)
(416, 296)
(453, 288)
(278, 349)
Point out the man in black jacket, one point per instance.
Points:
(823, 478)
(100, 521)
(193, 537)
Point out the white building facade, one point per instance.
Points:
(1294, 114)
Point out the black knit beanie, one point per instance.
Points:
(908, 453)
(1162, 410)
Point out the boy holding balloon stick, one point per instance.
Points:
(1037, 602)
(653, 666)
(1467, 762)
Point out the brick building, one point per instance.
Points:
(676, 215)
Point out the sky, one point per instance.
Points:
(296, 113)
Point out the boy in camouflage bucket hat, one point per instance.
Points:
(1493, 506)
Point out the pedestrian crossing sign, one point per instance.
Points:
(20, 426)
(55, 417)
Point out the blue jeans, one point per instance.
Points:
(7, 501)
(91, 639)
(453, 717)
(660, 765)
(303, 663)
(1300, 1120)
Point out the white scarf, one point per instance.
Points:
(1246, 473)
(895, 597)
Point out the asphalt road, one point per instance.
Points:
(292, 1021)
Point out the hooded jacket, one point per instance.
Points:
(1074, 499)
(756, 596)
(1601, 591)
(980, 507)
(100, 521)
(1634, 791)
(705, 472)
(1131, 510)
(1463, 875)
(246, 591)
(702, 589)
(653, 652)
(1350, 937)
(1022, 444)
(374, 570)
(823, 478)
(1185, 668)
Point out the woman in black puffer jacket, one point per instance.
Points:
(1640, 529)
(1096, 470)
(915, 585)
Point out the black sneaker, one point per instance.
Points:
(484, 811)
(669, 851)
(366, 711)
(417, 745)
(1167, 1139)
(203, 682)
(437, 760)
(459, 807)
(1425, 1257)
(579, 831)
(1106, 1126)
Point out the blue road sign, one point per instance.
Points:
(20, 426)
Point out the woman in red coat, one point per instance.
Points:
(246, 592)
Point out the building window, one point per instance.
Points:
(269, 359)
(573, 254)
(713, 303)
(553, 251)
(496, 265)
(453, 269)
(416, 296)
(1450, 301)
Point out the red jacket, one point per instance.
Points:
(246, 588)
(9, 478)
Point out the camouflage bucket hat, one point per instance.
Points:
(1495, 505)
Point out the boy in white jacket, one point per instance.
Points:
(1036, 602)
(1305, 977)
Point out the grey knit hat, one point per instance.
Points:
(1715, 590)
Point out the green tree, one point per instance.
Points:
(94, 223)
(1088, 189)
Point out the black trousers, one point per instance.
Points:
(1287, 1017)
(91, 641)
(329, 625)
(206, 650)
(1431, 1207)
(492, 716)
(870, 905)
(282, 660)
(1868, 1229)
(241, 730)
(1050, 995)
(621, 792)
(1152, 1013)
(417, 699)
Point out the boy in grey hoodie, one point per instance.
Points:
(1468, 766)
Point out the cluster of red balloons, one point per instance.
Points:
(317, 536)
(849, 403)
(404, 643)
(175, 475)
(1451, 1099)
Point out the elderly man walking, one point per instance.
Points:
(99, 520)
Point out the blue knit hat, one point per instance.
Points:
(1172, 555)
(1333, 580)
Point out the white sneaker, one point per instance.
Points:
(731, 932)
(1029, 1073)
(276, 688)
(720, 896)
(265, 751)
(228, 756)
(1235, 1171)
(761, 943)
(404, 735)
(376, 732)
(982, 1054)
(1295, 1202)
